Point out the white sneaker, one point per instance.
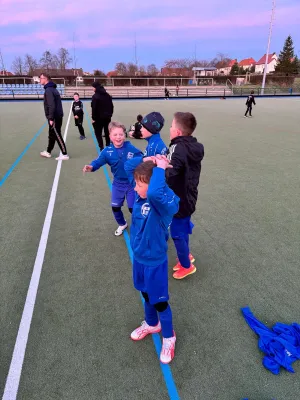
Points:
(62, 157)
(45, 154)
(168, 350)
(120, 230)
(144, 330)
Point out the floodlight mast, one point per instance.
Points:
(268, 47)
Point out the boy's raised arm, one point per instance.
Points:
(100, 161)
(162, 198)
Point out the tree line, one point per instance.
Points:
(288, 63)
(27, 64)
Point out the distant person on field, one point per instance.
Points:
(177, 90)
(249, 102)
(102, 111)
(77, 109)
(135, 130)
(167, 93)
(54, 114)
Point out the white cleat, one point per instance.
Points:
(62, 157)
(168, 350)
(144, 330)
(45, 154)
(120, 230)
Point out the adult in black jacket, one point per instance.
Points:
(185, 155)
(54, 114)
(102, 111)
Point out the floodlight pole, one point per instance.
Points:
(268, 48)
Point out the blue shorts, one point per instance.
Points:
(120, 190)
(181, 227)
(152, 280)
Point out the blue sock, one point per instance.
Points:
(151, 316)
(119, 217)
(183, 251)
(166, 323)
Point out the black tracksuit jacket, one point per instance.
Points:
(102, 105)
(185, 154)
(52, 102)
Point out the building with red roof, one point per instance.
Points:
(226, 70)
(272, 62)
(247, 63)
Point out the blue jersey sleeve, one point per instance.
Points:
(130, 166)
(100, 161)
(161, 197)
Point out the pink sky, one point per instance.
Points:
(240, 30)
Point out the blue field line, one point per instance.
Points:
(21, 155)
(166, 370)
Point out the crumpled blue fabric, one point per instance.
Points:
(281, 344)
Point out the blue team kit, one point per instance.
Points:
(116, 158)
(281, 344)
(149, 234)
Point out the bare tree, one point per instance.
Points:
(18, 66)
(47, 60)
(132, 68)
(179, 63)
(30, 64)
(55, 62)
(221, 60)
(64, 58)
(121, 68)
(142, 70)
(98, 72)
(152, 70)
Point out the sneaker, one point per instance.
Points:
(45, 154)
(120, 230)
(168, 350)
(82, 137)
(183, 272)
(144, 330)
(178, 265)
(62, 157)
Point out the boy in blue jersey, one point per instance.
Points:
(152, 124)
(115, 155)
(152, 214)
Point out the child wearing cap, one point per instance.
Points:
(152, 124)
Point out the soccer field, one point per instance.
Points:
(245, 241)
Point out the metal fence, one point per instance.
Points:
(154, 93)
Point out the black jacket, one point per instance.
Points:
(250, 100)
(102, 105)
(52, 102)
(77, 108)
(186, 155)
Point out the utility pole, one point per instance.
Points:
(135, 51)
(74, 58)
(2, 63)
(268, 47)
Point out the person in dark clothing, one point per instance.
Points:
(102, 111)
(77, 109)
(185, 155)
(167, 94)
(135, 130)
(54, 114)
(249, 102)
